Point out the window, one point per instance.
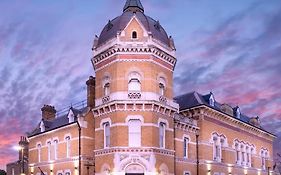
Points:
(162, 89)
(49, 150)
(68, 146)
(162, 127)
(185, 147)
(106, 128)
(162, 84)
(134, 85)
(134, 133)
(56, 149)
(106, 89)
(13, 171)
(186, 173)
(67, 173)
(217, 148)
(262, 160)
(237, 153)
(212, 100)
(134, 35)
(39, 152)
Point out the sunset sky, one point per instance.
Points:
(229, 47)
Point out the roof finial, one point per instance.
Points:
(133, 5)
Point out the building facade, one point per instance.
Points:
(132, 123)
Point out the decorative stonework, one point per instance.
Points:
(165, 57)
(105, 99)
(134, 95)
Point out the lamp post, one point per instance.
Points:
(20, 148)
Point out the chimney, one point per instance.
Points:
(23, 152)
(91, 83)
(48, 112)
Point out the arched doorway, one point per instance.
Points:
(134, 169)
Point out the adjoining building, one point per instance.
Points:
(133, 124)
(21, 165)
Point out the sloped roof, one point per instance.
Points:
(119, 23)
(57, 122)
(194, 99)
(133, 4)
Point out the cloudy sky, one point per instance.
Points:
(232, 48)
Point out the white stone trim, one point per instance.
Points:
(145, 96)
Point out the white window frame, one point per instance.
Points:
(49, 146)
(56, 144)
(68, 145)
(134, 132)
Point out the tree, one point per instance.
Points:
(2, 172)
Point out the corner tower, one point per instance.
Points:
(134, 59)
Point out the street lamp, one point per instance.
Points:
(20, 148)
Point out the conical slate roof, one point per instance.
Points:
(133, 5)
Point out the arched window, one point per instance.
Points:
(185, 147)
(39, 152)
(162, 84)
(106, 129)
(134, 35)
(68, 146)
(162, 128)
(106, 89)
(56, 149)
(134, 133)
(134, 85)
(237, 148)
(218, 141)
(49, 149)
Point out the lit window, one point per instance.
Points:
(134, 35)
(68, 146)
(162, 127)
(134, 85)
(185, 147)
(39, 152)
(106, 128)
(49, 149)
(134, 133)
(106, 89)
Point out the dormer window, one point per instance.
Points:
(42, 126)
(212, 100)
(134, 35)
(70, 116)
(238, 113)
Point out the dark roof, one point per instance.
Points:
(119, 23)
(57, 122)
(194, 99)
(133, 4)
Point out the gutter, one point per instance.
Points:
(197, 154)
(79, 147)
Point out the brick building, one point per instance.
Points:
(133, 124)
